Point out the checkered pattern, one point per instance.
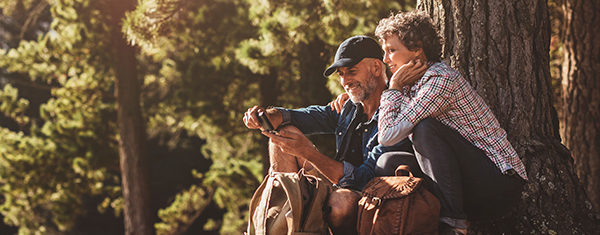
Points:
(445, 95)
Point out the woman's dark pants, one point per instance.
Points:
(467, 183)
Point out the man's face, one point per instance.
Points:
(358, 81)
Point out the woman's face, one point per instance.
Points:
(396, 54)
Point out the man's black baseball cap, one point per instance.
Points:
(352, 51)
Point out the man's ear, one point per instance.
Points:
(377, 67)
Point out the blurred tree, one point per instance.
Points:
(200, 88)
(69, 150)
(77, 137)
(581, 90)
(504, 53)
(26, 22)
(132, 132)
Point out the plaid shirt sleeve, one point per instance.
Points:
(399, 113)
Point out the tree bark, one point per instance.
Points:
(581, 89)
(502, 48)
(132, 132)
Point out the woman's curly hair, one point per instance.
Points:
(411, 28)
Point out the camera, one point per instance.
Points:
(266, 124)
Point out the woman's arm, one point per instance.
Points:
(399, 114)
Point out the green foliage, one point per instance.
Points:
(10, 7)
(201, 89)
(13, 106)
(186, 207)
(70, 151)
(45, 174)
(285, 29)
(150, 19)
(556, 51)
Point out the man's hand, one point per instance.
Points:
(251, 117)
(408, 74)
(292, 142)
(295, 144)
(339, 102)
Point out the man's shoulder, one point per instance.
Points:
(348, 108)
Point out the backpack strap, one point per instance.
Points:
(255, 201)
(289, 181)
(375, 219)
(402, 168)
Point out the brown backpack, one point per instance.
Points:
(288, 203)
(397, 205)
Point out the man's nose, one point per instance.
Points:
(343, 81)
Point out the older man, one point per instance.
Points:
(358, 62)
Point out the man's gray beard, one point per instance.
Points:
(365, 90)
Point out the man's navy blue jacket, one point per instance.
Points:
(322, 120)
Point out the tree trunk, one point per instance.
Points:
(581, 73)
(502, 48)
(132, 132)
(313, 85)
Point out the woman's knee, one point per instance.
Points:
(425, 128)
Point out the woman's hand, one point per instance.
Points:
(339, 102)
(408, 74)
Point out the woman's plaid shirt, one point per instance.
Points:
(445, 95)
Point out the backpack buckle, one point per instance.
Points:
(376, 200)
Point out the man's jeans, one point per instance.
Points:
(467, 183)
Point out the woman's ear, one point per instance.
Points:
(420, 52)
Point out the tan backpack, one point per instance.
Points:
(289, 203)
(397, 205)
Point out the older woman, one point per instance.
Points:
(463, 152)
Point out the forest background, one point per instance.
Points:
(125, 116)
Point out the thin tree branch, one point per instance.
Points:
(33, 16)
